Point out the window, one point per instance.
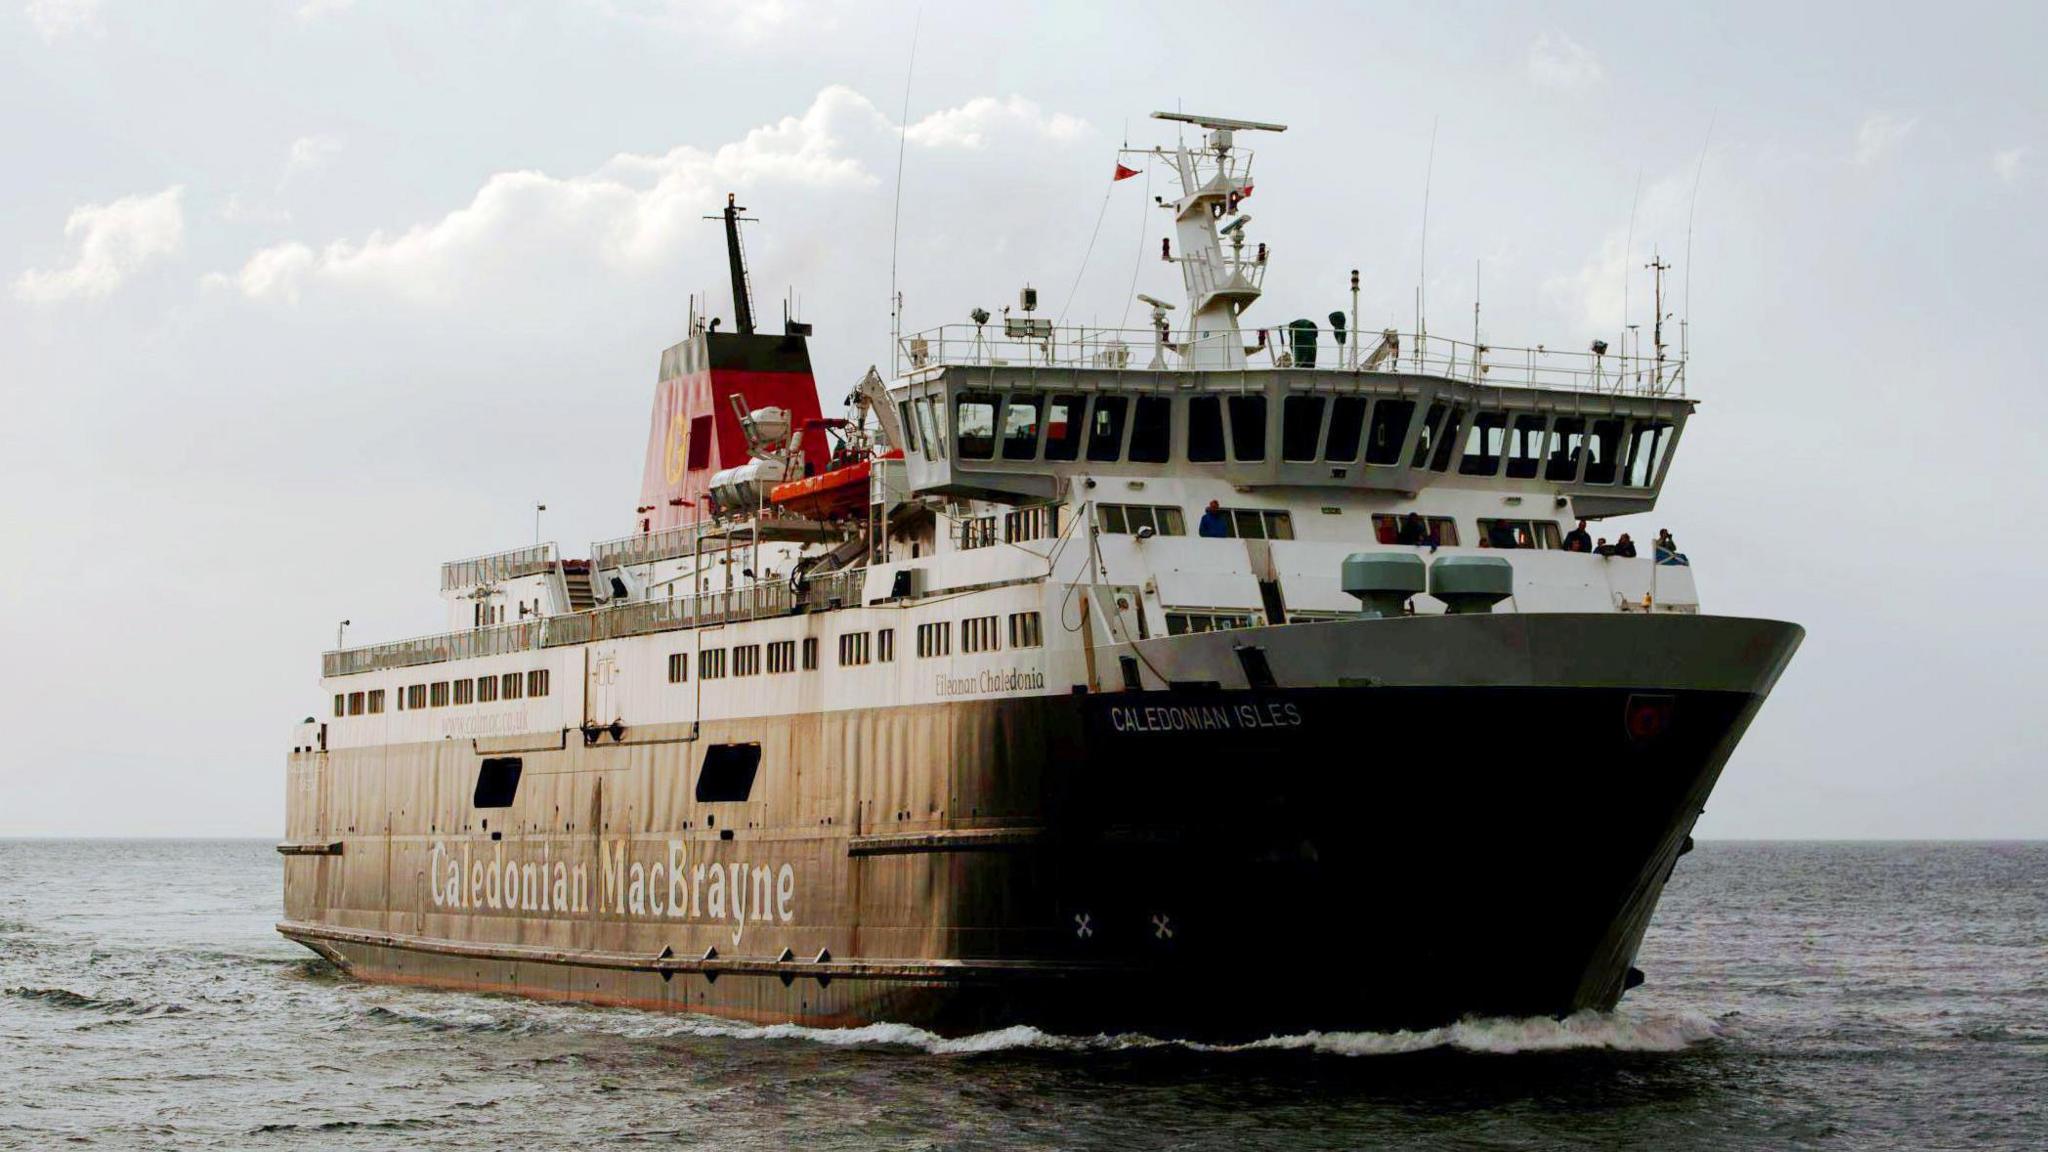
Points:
(885, 645)
(1248, 427)
(355, 703)
(1526, 446)
(977, 432)
(727, 774)
(810, 653)
(1020, 428)
(1519, 533)
(909, 426)
(678, 667)
(340, 704)
(416, 696)
(376, 701)
(537, 682)
(700, 443)
(1026, 630)
(465, 691)
(1063, 426)
(931, 420)
(486, 689)
(1603, 456)
(853, 648)
(1347, 417)
(1568, 441)
(1041, 523)
(781, 657)
(1106, 429)
(497, 782)
(746, 660)
(1205, 429)
(1447, 440)
(711, 664)
(935, 639)
(1127, 519)
(1301, 427)
(437, 694)
(1647, 446)
(977, 532)
(1389, 431)
(510, 686)
(1258, 523)
(1182, 623)
(1152, 430)
(1484, 445)
(978, 634)
(1386, 528)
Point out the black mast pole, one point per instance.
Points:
(742, 303)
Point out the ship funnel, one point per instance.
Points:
(1471, 583)
(1383, 581)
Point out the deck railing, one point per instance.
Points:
(498, 566)
(1303, 348)
(759, 600)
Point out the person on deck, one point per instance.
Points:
(1578, 539)
(1625, 546)
(1603, 548)
(1413, 530)
(1214, 522)
(1667, 550)
(1502, 535)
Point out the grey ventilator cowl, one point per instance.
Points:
(1471, 583)
(1383, 581)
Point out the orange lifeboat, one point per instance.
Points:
(829, 495)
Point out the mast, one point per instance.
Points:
(736, 256)
(1219, 286)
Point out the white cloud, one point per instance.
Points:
(308, 154)
(1558, 61)
(2006, 164)
(634, 212)
(1880, 135)
(752, 22)
(971, 124)
(114, 242)
(313, 10)
(55, 19)
(1613, 279)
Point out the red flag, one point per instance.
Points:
(1123, 173)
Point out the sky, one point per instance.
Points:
(298, 300)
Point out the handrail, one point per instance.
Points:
(1302, 348)
(759, 600)
(496, 566)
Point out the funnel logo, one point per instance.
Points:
(677, 457)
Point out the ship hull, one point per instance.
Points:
(1358, 825)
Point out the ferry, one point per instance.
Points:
(1215, 679)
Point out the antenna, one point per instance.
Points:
(1628, 247)
(1657, 269)
(1685, 325)
(896, 220)
(1422, 268)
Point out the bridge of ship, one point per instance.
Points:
(1009, 418)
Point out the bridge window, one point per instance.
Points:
(1247, 428)
(1020, 428)
(1567, 448)
(1063, 424)
(1519, 533)
(1106, 429)
(1526, 446)
(977, 432)
(1301, 427)
(1447, 440)
(727, 775)
(1441, 530)
(909, 426)
(931, 420)
(1152, 430)
(1484, 445)
(1128, 519)
(1389, 431)
(1646, 452)
(1347, 421)
(1205, 429)
(1603, 455)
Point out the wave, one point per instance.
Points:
(79, 1001)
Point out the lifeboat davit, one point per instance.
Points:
(829, 495)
